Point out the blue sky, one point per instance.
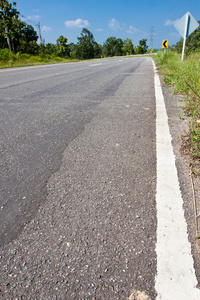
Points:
(123, 19)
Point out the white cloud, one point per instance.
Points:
(33, 18)
(170, 22)
(78, 23)
(46, 28)
(114, 24)
(99, 29)
(133, 30)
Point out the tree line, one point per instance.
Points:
(19, 37)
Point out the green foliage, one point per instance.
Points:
(8, 59)
(16, 34)
(97, 50)
(108, 47)
(118, 51)
(112, 47)
(5, 55)
(8, 22)
(195, 140)
(184, 77)
(62, 49)
(143, 43)
(139, 49)
(51, 49)
(73, 50)
(128, 47)
(85, 45)
(26, 39)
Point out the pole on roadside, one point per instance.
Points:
(185, 35)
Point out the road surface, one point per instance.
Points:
(78, 203)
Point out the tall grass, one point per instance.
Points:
(184, 77)
(8, 59)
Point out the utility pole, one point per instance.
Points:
(40, 35)
(151, 37)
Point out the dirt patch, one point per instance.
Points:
(194, 167)
(137, 295)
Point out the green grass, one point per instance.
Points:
(10, 60)
(184, 78)
(34, 61)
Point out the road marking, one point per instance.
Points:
(95, 65)
(175, 277)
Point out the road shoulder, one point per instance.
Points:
(178, 127)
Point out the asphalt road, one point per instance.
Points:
(98, 120)
(43, 109)
(78, 212)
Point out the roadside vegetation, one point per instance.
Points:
(184, 78)
(10, 60)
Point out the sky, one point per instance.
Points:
(150, 19)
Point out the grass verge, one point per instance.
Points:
(33, 62)
(184, 78)
(10, 60)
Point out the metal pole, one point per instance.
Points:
(185, 36)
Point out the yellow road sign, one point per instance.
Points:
(151, 50)
(165, 44)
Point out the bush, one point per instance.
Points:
(6, 56)
(35, 58)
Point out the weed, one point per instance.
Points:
(181, 117)
(184, 77)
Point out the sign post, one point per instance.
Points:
(185, 34)
(185, 26)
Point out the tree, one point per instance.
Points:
(3, 42)
(85, 45)
(25, 39)
(51, 49)
(113, 47)
(139, 49)
(193, 40)
(28, 33)
(143, 43)
(128, 47)
(73, 49)
(118, 47)
(109, 46)
(62, 46)
(97, 50)
(8, 21)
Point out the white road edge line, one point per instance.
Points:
(175, 277)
